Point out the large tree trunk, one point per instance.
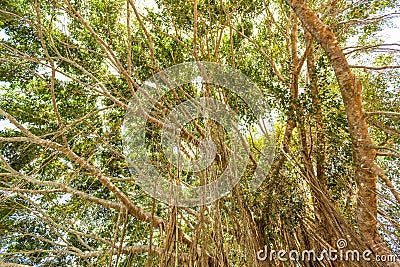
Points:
(363, 152)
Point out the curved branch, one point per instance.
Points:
(374, 68)
(385, 113)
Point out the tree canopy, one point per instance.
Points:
(68, 72)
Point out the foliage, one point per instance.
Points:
(68, 71)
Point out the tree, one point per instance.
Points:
(70, 68)
(364, 151)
